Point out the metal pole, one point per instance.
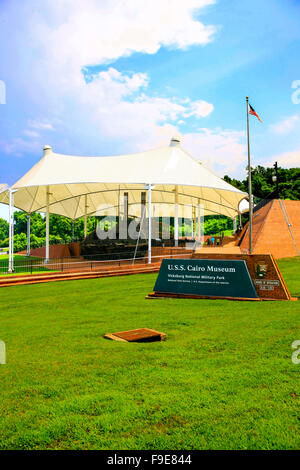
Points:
(149, 224)
(143, 209)
(234, 224)
(176, 217)
(11, 233)
(277, 182)
(85, 215)
(276, 176)
(249, 180)
(194, 223)
(47, 224)
(126, 208)
(28, 235)
(199, 222)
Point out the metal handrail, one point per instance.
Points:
(289, 224)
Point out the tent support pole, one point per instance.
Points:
(193, 221)
(28, 235)
(199, 222)
(47, 224)
(176, 217)
(240, 219)
(85, 215)
(234, 224)
(149, 223)
(11, 233)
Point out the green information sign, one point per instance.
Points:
(207, 277)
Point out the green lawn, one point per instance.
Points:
(22, 265)
(17, 257)
(224, 378)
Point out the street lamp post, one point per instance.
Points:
(275, 179)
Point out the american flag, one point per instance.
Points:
(253, 112)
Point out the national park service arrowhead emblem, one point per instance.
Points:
(261, 269)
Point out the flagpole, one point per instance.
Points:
(249, 180)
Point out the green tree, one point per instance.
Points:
(20, 222)
(4, 229)
(264, 186)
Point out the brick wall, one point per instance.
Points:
(55, 251)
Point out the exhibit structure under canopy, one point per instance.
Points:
(168, 179)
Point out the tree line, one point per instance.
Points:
(264, 186)
(64, 230)
(61, 230)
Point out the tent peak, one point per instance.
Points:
(47, 149)
(175, 142)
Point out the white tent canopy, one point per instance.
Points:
(78, 186)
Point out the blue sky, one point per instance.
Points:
(113, 77)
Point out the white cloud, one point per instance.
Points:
(40, 125)
(200, 108)
(125, 84)
(30, 133)
(18, 146)
(286, 159)
(222, 150)
(106, 30)
(119, 106)
(286, 125)
(64, 38)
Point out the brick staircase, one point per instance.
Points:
(228, 248)
(276, 230)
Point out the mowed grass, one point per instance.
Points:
(224, 378)
(18, 258)
(22, 265)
